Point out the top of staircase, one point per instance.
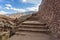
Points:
(31, 22)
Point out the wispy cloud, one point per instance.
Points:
(3, 12)
(8, 5)
(21, 10)
(35, 2)
(32, 1)
(32, 9)
(24, 0)
(7, 8)
(18, 10)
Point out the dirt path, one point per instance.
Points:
(31, 36)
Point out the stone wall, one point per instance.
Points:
(49, 12)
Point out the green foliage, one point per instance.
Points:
(0, 37)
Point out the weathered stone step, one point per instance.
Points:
(33, 23)
(33, 31)
(33, 26)
(29, 29)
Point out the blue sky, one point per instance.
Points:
(13, 6)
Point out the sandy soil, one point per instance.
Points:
(31, 36)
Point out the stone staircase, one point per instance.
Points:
(32, 26)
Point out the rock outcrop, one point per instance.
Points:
(46, 10)
(16, 15)
(6, 23)
(49, 12)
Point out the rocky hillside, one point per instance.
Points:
(6, 21)
(17, 15)
(14, 19)
(12, 22)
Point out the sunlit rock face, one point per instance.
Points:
(49, 12)
(46, 10)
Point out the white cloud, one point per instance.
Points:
(8, 5)
(16, 9)
(7, 8)
(32, 9)
(3, 12)
(24, 0)
(22, 10)
(35, 6)
(32, 1)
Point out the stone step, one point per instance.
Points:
(33, 24)
(30, 26)
(33, 30)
